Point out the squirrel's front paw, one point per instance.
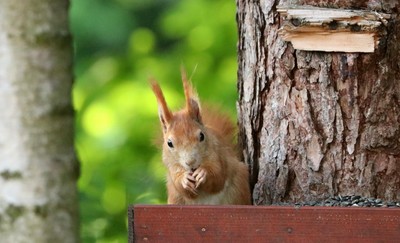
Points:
(189, 183)
(199, 175)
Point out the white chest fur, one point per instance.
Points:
(212, 199)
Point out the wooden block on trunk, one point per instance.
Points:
(332, 30)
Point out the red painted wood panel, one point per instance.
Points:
(262, 224)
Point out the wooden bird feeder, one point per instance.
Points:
(311, 29)
(332, 30)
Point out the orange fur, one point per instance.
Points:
(198, 151)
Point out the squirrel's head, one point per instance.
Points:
(185, 136)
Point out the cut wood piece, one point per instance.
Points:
(317, 15)
(334, 42)
(332, 30)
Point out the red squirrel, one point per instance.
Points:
(202, 164)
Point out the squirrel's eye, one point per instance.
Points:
(201, 137)
(170, 144)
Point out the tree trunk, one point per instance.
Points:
(38, 167)
(318, 124)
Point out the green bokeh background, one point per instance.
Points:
(118, 45)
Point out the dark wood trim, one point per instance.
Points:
(131, 225)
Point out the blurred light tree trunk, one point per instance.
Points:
(38, 167)
(318, 124)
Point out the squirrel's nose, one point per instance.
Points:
(190, 162)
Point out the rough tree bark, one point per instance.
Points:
(38, 168)
(318, 124)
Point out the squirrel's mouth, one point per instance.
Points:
(193, 170)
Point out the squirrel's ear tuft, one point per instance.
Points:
(194, 110)
(192, 100)
(164, 112)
